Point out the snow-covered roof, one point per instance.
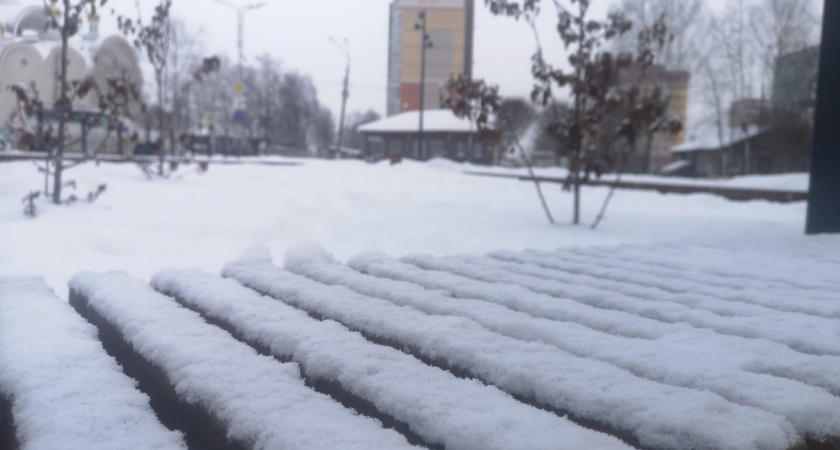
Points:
(675, 166)
(434, 120)
(710, 140)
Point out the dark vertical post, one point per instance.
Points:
(824, 195)
(424, 43)
(84, 118)
(120, 145)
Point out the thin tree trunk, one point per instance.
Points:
(603, 213)
(63, 104)
(578, 153)
(528, 163)
(576, 181)
(161, 140)
(648, 152)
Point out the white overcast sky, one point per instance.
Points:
(297, 33)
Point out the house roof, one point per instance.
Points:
(710, 140)
(434, 120)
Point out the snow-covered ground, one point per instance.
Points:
(797, 182)
(202, 221)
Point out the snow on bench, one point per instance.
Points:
(256, 401)
(751, 272)
(695, 364)
(801, 332)
(63, 390)
(662, 283)
(818, 272)
(439, 407)
(656, 415)
(756, 355)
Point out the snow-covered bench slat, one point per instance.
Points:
(774, 358)
(814, 411)
(801, 332)
(662, 283)
(756, 272)
(63, 389)
(701, 263)
(441, 408)
(260, 402)
(659, 416)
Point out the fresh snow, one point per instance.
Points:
(434, 120)
(810, 334)
(201, 221)
(815, 412)
(442, 409)
(262, 401)
(658, 415)
(661, 281)
(66, 392)
(755, 355)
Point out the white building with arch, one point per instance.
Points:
(30, 54)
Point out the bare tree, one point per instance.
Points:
(354, 139)
(778, 27)
(67, 22)
(155, 39)
(591, 82)
(686, 19)
(185, 55)
(116, 99)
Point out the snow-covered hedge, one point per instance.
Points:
(65, 391)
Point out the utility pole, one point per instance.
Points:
(344, 94)
(240, 16)
(239, 102)
(824, 194)
(425, 42)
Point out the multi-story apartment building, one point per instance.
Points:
(449, 24)
(674, 85)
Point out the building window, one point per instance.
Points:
(478, 150)
(462, 150)
(437, 148)
(396, 147)
(376, 147)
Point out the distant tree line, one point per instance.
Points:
(281, 106)
(732, 52)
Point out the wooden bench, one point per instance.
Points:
(635, 346)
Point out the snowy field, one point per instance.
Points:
(684, 322)
(202, 221)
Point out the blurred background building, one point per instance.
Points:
(30, 56)
(450, 27)
(674, 85)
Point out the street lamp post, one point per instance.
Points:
(344, 94)
(239, 101)
(425, 42)
(240, 16)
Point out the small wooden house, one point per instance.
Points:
(444, 136)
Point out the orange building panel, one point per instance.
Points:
(410, 97)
